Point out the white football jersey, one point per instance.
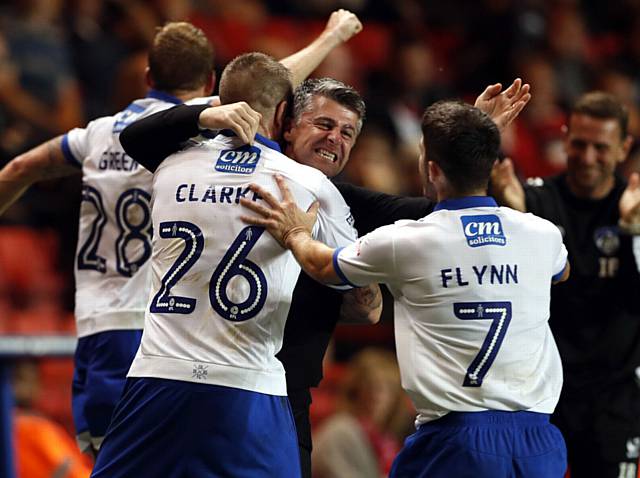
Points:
(221, 289)
(114, 236)
(471, 283)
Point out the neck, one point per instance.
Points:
(599, 191)
(449, 193)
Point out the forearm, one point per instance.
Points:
(302, 63)
(45, 161)
(362, 305)
(315, 258)
(151, 139)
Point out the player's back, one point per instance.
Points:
(114, 236)
(221, 290)
(472, 309)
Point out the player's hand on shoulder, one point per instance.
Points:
(283, 219)
(238, 117)
(343, 24)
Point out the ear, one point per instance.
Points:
(148, 78)
(626, 147)
(287, 133)
(433, 172)
(279, 118)
(211, 84)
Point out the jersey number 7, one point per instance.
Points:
(500, 315)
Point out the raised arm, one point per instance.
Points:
(151, 139)
(45, 161)
(342, 26)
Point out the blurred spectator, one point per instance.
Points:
(374, 164)
(363, 438)
(534, 141)
(43, 447)
(38, 89)
(569, 46)
(414, 83)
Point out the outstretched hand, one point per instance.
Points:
(343, 24)
(504, 106)
(239, 117)
(283, 219)
(629, 205)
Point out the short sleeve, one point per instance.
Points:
(334, 226)
(560, 259)
(75, 146)
(371, 259)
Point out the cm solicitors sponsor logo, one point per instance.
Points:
(239, 161)
(483, 230)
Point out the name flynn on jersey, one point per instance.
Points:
(214, 194)
(492, 274)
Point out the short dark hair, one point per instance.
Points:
(180, 58)
(335, 90)
(463, 141)
(257, 79)
(601, 105)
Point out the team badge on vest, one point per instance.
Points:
(607, 240)
(484, 230)
(241, 160)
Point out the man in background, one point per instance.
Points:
(595, 315)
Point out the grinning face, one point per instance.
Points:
(594, 148)
(323, 136)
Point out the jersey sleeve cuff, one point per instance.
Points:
(557, 276)
(66, 152)
(339, 272)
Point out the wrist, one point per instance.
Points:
(331, 38)
(294, 235)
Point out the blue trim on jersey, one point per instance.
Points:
(259, 138)
(336, 267)
(268, 143)
(66, 152)
(557, 276)
(209, 134)
(161, 95)
(466, 202)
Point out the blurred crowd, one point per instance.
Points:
(65, 62)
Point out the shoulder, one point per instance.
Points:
(528, 221)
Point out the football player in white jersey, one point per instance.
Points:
(472, 288)
(114, 242)
(206, 395)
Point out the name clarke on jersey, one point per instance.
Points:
(214, 194)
